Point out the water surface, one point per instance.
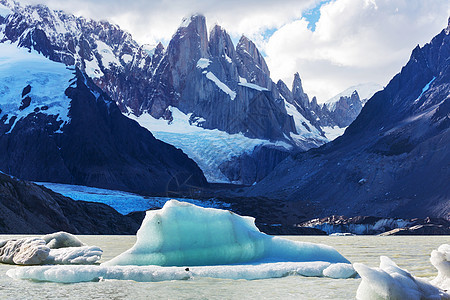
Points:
(411, 253)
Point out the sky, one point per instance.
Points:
(332, 44)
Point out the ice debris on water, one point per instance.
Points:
(391, 282)
(211, 242)
(55, 248)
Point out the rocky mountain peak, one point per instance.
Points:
(297, 91)
(220, 43)
(246, 47)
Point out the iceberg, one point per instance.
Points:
(25, 251)
(74, 273)
(440, 259)
(182, 234)
(56, 248)
(391, 282)
(182, 241)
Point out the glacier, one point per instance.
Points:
(182, 234)
(123, 202)
(48, 81)
(209, 148)
(391, 282)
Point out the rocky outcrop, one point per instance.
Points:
(253, 167)
(376, 225)
(391, 160)
(27, 208)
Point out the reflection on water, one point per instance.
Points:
(411, 253)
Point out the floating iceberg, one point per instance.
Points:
(56, 248)
(182, 234)
(391, 282)
(212, 242)
(73, 274)
(440, 259)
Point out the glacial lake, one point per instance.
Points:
(409, 252)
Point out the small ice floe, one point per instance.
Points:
(183, 241)
(391, 282)
(73, 274)
(56, 248)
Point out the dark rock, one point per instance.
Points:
(25, 103)
(27, 208)
(26, 90)
(253, 167)
(398, 143)
(428, 229)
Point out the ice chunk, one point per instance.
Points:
(339, 270)
(72, 274)
(56, 248)
(440, 259)
(391, 282)
(74, 255)
(25, 251)
(182, 234)
(61, 240)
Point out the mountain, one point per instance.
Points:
(57, 125)
(206, 80)
(30, 208)
(393, 160)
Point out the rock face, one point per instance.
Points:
(392, 160)
(378, 225)
(219, 85)
(28, 208)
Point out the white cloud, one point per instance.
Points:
(355, 41)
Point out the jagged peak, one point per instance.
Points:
(447, 30)
(192, 19)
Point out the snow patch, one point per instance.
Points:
(332, 132)
(4, 11)
(48, 81)
(243, 82)
(93, 69)
(108, 57)
(127, 58)
(221, 85)
(203, 63)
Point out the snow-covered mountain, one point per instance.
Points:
(203, 79)
(57, 125)
(393, 160)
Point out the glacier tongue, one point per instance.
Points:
(182, 234)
